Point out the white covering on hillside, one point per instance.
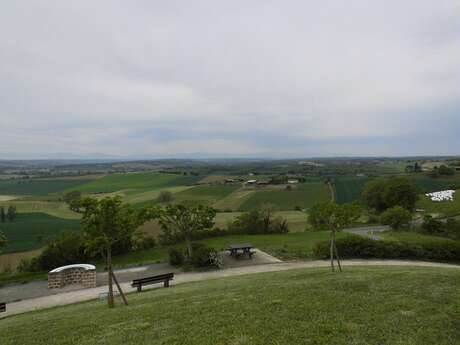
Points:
(444, 195)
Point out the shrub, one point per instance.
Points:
(176, 257)
(202, 255)
(142, 241)
(352, 247)
(397, 217)
(165, 196)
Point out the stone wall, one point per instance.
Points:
(75, 275)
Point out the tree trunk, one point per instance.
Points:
(188, 242)
(110, 273)
(332, 249)
(337, 256)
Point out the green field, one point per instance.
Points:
(428, 184)
(443, 208)
(305, 195)
(205, 195)
(53, 208)
(38, 186)
(33, 230)
(139, 182)
(386, 306)
(348, 189)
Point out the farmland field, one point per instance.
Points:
(205, 195)
(348, 189)
(38, 186)
(141, 182)
(53, 208)
(33, 230)
(427, 184)
(373, 305)
(304, 195)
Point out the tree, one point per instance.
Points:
(381, 194)
(400, 191)
(334, 217)
(11, 213)
(2, 214)
(373, 192)
(107, 222)
(185, 220)
(165, 197)
(2, 240)
(73, 200)
(396, 217)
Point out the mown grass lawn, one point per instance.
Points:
(365, 306)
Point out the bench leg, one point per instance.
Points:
(166, 284)
(139, 288)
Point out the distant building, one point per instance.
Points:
(293, 181)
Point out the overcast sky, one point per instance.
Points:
(229, 78)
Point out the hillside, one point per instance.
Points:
(360, 306)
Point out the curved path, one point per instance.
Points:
(93, 293)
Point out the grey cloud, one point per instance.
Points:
(154, 78)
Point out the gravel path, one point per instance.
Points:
(93, 293)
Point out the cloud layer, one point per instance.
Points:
(229, 78)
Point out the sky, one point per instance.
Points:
(203, 79)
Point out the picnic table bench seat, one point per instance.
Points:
(2, 307)
(161, 278)
(241, 249)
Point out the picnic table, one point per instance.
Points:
(241, 249)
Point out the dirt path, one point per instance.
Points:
(93, 293)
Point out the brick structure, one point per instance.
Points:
(81, 274)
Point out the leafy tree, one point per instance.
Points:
(373, 194)
(396, 217)
(74, 195)
(185, 220)
(432, 225)
(106, 223)
(381, 194)
(11, 213)
(334, 217)
(165, 196)
(2, 214)
(2, 240)
(446, 171)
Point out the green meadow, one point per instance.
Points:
(410, 306)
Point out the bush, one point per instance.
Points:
(352, 247)
(176, 257)
(141, 241)
(67, 248)
(396, 217)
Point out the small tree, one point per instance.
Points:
(396, 217)
(2, 214)
(2, 240)
(165, 197)
(107, 222)
(334, 217)
(11, 213)
(185, 220)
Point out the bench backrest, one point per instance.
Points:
(159, 277)
(2, 307)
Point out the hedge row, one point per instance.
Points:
(353, 247)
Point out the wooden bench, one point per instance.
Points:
(2, 307)
(161, 278)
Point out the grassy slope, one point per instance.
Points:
(141, 182)
(33, 230)
(39, 186)
(387, 306)
(304, 195)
